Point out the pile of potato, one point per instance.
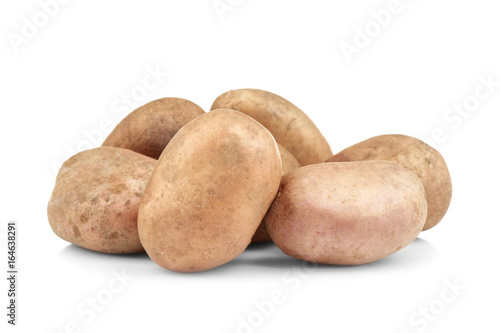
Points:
(194, 189)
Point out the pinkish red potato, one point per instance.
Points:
(415, 155)
(347, 213)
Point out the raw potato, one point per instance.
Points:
(96, 198)
(148, 129)
(347, 213)
(291, 127)
(288, 163)
(415, 155)
(210, 190)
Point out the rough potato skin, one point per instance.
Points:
(291, 127)
(347, 213)
(148, 129)
(96, 197)
(288, 163)
(210, 190)
(415, 155)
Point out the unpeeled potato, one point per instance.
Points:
(347, 213)
(288, 163)
(148, 129)
(291, 127)
(414, 155)
(210, 190)
(96, 197)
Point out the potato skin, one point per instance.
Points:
(210, 190)
(148, 129)
(347, 213)
(415, 155)
(291, 127)
(288, 163)
(96, 197)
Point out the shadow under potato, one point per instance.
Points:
(256, 258)
(268, 255)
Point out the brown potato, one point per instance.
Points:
(210, 190)
(96, 198)
(347, 213)
(288, 163)
(415, 155)
(291, 127)
(148, 129)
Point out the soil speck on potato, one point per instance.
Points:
(84, 218)
(76, 231)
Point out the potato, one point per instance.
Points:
(288, 124)
(347, 213)
(288, 163)
(415, 155)
(96, 198)
(210, 190)
(148, 129)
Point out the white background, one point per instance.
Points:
(68, 78)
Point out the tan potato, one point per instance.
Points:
(96, 198)
(415, 155)
(148, 129)
(347, 213)
(288, 163)
(210, 190)
(291, 127)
